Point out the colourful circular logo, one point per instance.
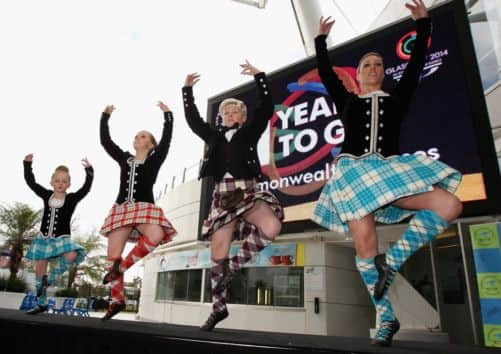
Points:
(406, 44)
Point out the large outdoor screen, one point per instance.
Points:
(447, 119)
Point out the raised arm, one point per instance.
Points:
(193, 118)
(264, 104)
(89, 176)
(331, 81)
(163, 146)
(111, 148)
(29, 177)
(408, 83)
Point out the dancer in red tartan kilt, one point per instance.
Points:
(134, 217)
(239, 209)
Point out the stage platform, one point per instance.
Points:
(48, 333)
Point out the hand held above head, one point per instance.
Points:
(325, 25)
(418, 9)
(86, 163)
(248, 69)
(163, 106)
(191, 79)
(28, 158)
(109, 109)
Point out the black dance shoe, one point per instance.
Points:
(114, 308)
(213, 319)
(37, 309)
(114, 272)
(385, 333)
(385, 274)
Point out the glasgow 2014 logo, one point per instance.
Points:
(404, 48)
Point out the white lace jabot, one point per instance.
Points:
(56, 203)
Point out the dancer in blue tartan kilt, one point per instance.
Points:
(53, 244)
(372, 181)
(239, 210)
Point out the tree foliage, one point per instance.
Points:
(18, 226)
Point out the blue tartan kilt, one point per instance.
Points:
(53, 247)
(370, 183)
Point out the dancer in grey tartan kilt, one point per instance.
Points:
(254, 240)
(239, 209)
(372, 181)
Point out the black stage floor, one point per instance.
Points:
(48, 333)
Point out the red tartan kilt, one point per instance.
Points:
(132, 214)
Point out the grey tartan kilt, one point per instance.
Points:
(218, 217)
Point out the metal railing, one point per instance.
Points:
(187, 174)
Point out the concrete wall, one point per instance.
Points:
(181, 206)
(9, 300)
(347, 296)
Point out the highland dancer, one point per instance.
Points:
(239, 210)
(372, 181)
(134, 217)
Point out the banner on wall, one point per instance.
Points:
(486, 242)
(282, 254)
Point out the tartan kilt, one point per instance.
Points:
(218, 217)
(132, 214)
(52, 247)
(369, 184)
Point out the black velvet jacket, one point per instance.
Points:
(239, 156)
(372, 121)
(137, 177)
(57, 221)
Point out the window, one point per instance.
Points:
(182, 285)
(277, 286)
(270, 286)
(194, 285)
(165, 286)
